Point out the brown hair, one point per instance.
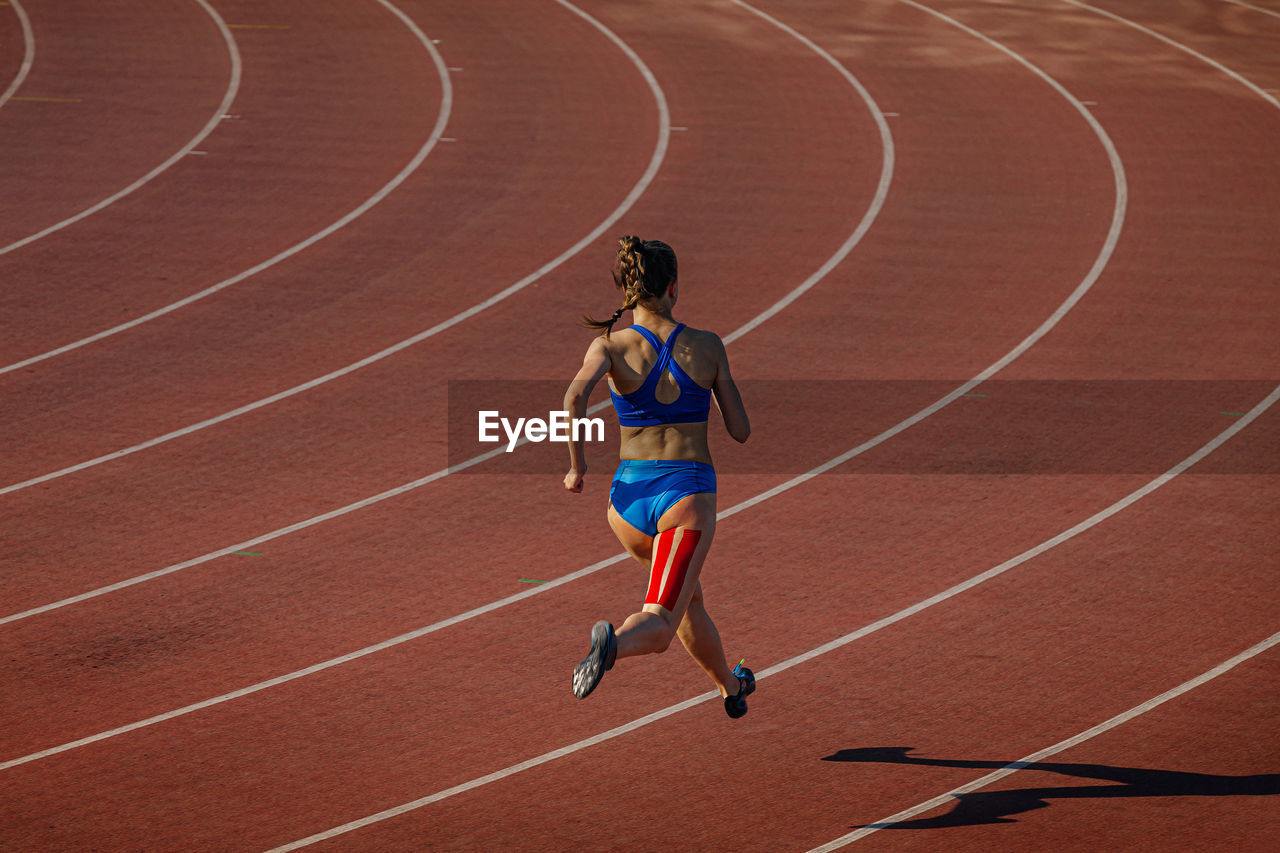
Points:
(645, 269)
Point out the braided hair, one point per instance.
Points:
(645, 269)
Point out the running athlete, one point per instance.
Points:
(662, 504)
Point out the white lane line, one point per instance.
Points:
(1254, 8)
(873, 210)
(233, 86)
(446, 103)
(28, 52)
(641, 186)
(1035, 757)
(1257, 90)
(882, 187)
(837, 643)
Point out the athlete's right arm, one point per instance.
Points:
(727, 397)
(595, 364)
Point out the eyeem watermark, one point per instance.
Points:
(557, 427)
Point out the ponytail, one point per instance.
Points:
(643, 270)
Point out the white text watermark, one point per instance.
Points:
(557, 427)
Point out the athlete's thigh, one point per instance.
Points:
(696, 512)
(693, 512)
(638, 545)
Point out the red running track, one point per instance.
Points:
(1001, 198)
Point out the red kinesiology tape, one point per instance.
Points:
(672, 552)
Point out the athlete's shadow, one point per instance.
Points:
(982, 807)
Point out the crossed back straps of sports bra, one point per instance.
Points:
(642, 408)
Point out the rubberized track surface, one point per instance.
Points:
(280, 620)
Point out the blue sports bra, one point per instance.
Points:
(642, 408)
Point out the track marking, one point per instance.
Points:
(233, 86)
(864, 225)
(871, 213)
(837, 643)
(1260, 92)
(882, 187)
(492, 606)
(1090, 277)
(446, 103)
(1254, 8)
(659, 154)
(641, 186)
(689, 703)
(1035, 757)
(1071, 532)
(259, 27)
(28, 53)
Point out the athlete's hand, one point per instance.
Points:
(573, 480)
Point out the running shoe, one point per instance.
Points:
(604, 651)
(736, 706)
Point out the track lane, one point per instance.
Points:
(1216, 787)
(396, 277)
(623, 207)
(672, 808)
(827, 72)
(307, 99)
(369, 456)
(90, 120)
(1038, 656)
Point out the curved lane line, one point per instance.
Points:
(233, 87)
(863, 226)
(28, 52)
(641, 186)
(882, 188)
(1033, 758)
(1253, 87)
(671, 710)
(446, 103)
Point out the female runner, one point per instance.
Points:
(662, 504)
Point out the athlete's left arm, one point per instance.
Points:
(595, 364)
(727, 397)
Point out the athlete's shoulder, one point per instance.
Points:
(599, 348)
(705, 337)
(703, 341)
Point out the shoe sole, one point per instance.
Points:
(589, 671)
